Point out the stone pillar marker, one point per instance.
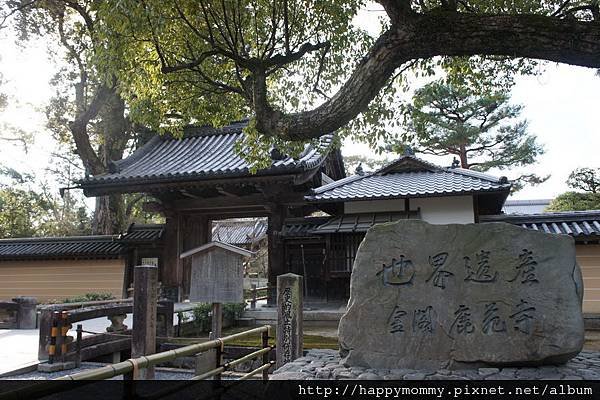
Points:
(289, 318)
(145, 281)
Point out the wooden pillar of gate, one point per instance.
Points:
(276, 250)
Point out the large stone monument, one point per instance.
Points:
(450, 296)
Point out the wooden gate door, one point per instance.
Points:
(308, 260)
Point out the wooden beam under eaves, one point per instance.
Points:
(224, 192)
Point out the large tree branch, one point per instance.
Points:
(83, 12)
(78, 129)
(282, 59)
(437, 33)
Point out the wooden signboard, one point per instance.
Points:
(217, 274)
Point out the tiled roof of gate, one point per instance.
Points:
(204, 153)
(240, 232)
(143, 233)
(76, 246)
(349, 223)
(578, 224)
(409, 177)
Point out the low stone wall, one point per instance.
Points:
(20, 313)
(591, 322)
(325, 364)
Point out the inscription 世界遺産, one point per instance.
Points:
(402, 271)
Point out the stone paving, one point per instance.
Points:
(325, 364)
(161, 373)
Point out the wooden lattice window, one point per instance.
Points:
(343, 248)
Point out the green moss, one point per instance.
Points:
(310, 341)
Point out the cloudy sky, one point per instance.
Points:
(560, 105)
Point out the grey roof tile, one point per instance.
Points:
(349, 223)
(525, 206)
(206, 153)
(408, 177)
(301, 227)
(573, 223)
(76, 246)
(137, 233)
(239, 232)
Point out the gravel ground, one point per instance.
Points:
(325, 364)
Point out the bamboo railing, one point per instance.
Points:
(134, 365)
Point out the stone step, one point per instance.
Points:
(327, 318)
(246, 321)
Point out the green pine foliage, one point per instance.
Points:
(575, 201)
(587, 180)
(479, 126)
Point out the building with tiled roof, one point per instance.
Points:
(535, 206)
(85, 247)
(56, 268)
(203, 155)
(244, 232)
(203, 176)
(410, 177)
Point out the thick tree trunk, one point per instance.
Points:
(436, 33)
(464, 162)
(109, 215)
(109, 107)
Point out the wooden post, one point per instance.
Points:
(170, 263)
(78, 344)
(45, 326)
(265, 357)
(289, 318)
(64, 329)
(276, 250)
(219, 361)
(254, 295)
(217, 320)
(217, 332)
(145, 281)
(53, 336)
(59, 338)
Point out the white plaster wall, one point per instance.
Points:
(445, 210)
(369, 206)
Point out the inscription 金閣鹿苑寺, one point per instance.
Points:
(522, 316)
